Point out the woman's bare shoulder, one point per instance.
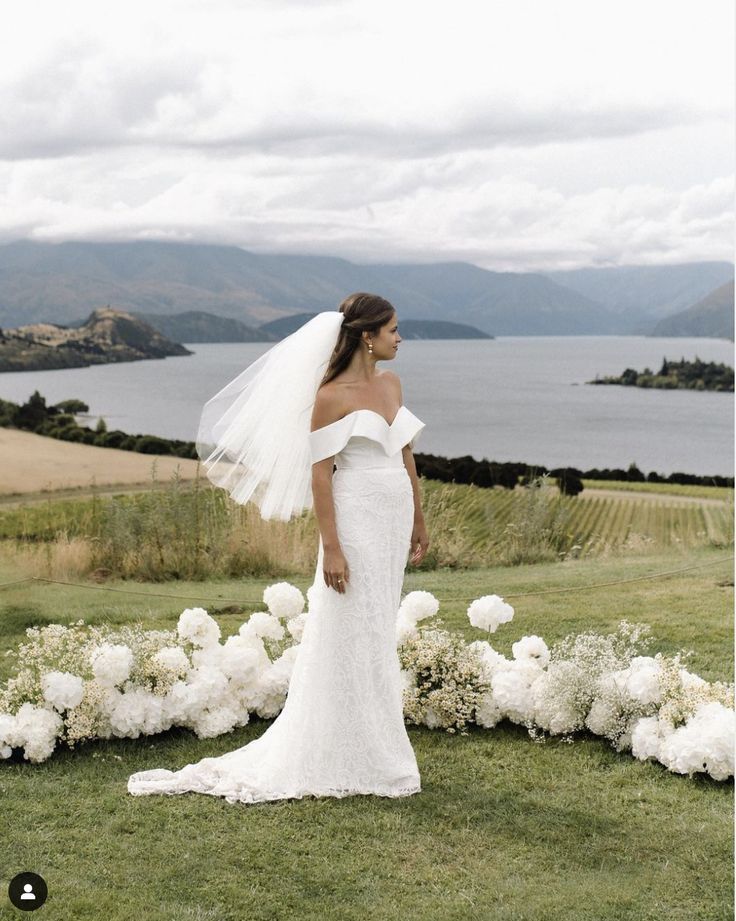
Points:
(328, 405)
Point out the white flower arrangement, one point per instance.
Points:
(489, 612)
(83, 682)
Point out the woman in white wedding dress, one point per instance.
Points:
(341, 731)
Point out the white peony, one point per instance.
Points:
(111, 663)
(531, 647)
(196, 626)
(488, 612)
(283, 600)
(62, 690)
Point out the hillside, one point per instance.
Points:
(200, 326)
(107, 335)
(408, 329)
(58, 282)
(712, 317)
(640, 295)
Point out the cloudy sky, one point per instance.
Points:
(519, 136)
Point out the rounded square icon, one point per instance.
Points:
(27, 891)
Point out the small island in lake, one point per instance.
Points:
(677, 375)
(107, 335)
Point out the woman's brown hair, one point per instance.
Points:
(363, 313)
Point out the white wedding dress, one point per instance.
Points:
(341, 731)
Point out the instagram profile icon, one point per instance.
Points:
(27, 891)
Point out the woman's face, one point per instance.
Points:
(386, 341)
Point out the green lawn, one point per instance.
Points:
(503, 829)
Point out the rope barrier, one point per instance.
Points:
(547, 591)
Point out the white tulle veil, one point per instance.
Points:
(253, 437)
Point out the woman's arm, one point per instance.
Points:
(419, 537)
(411, 469)
(335, 572)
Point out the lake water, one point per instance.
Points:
(515, 398)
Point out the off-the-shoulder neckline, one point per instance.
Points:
(354, 411)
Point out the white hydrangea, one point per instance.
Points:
(647, 735)
(283, 667)
(511, 686)
(705, 743)
(417, 606)
(265, 625)
(488, 656)
(488, 713)
(240, 659)
(210, 684)
(405, 629)
(62, 690)
(111, 663)
(35, 729)
(215, 721)
(196, 626)
(283, 600)
(173, 659)
(488, 612)
(531, 647)
(137, 712)
(296, 626)
(643, 680)
(180, 704)
(211, 656)
(7, 732)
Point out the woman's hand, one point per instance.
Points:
(335, 569)
(419, 542)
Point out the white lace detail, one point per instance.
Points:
(341, 731)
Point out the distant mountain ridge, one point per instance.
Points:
(198, 326)
(712, 316)
(60, 282)
(106, 336)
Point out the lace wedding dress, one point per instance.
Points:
(341, 731)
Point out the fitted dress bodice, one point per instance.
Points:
(363, 439)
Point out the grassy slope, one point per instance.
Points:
(504, 828)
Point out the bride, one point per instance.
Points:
(272, 436)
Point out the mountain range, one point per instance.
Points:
(58, 283)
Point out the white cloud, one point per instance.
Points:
(517, 136)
